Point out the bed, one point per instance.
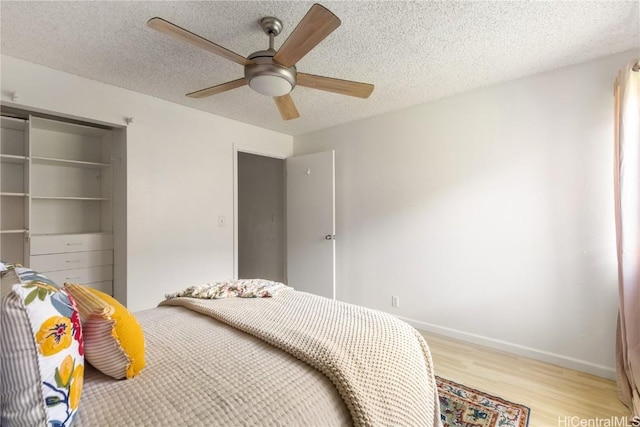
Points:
(294, 359)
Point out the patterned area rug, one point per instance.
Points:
(461, 406)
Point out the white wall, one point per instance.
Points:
(179, 174)
(490, 214)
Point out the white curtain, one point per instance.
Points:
(627, 206)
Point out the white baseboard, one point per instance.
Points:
(520, 350)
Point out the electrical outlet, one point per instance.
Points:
(395, 301)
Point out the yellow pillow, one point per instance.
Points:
(113, 338)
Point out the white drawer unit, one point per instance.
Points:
(71, 260)
(82, 276)
(63, 243)
(85, 259)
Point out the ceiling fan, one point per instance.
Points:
(272, 72)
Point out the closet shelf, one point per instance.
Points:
(66, 162)
(13, 231)
(81, 233)
(69, 198)
(10, 158)
(14, 194)
(13, 123)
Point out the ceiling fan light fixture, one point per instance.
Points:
(268, 78)
(270, 85)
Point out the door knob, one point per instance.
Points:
(330, 237)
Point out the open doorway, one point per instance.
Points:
(261, 217)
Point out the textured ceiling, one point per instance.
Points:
(413, 52)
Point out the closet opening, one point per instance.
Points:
(261, 217)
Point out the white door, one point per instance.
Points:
(311, 223)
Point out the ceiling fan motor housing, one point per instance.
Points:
(268, 77)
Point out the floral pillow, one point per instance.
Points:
(15, 273)
(41, 354)
(28, 275)
(6, 266)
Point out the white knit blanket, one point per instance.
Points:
(380, 365)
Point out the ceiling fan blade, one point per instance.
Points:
(316, 25)
(343, 87)
(187, 36)
(213, 90)
(286, 107)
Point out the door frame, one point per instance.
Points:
(241, 148)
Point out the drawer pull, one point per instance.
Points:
(72, 278)
(74, 244)
(73, 261)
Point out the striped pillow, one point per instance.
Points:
(113, 338)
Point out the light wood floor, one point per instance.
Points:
(550, 391)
